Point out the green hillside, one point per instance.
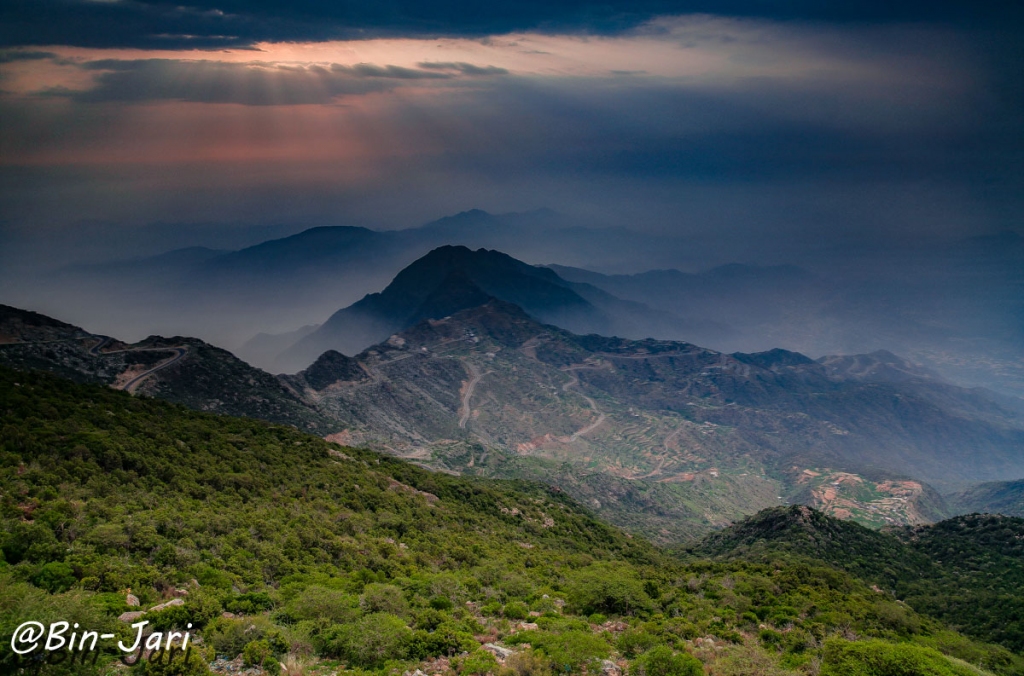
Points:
(966, 571)
(353, 561)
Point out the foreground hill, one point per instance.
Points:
(334, 553)
(967, 570)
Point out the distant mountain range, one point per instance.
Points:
(956, 309)
(276, 286)
(663, 437)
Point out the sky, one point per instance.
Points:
(768, 128)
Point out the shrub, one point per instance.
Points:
(441, 603)
(516, 610)
(633, 642)
(575, 651)
(880, 658)
(55, 577)
(749, 660)
(260, 654)
(528, 663)
(478, 663)
(446, 640)
(230, 636)
(250, 604)
(317, 602)
(192, 662)
(384, 598)
(661, 661)
(373, 640)
(770, 638)
(608, 588)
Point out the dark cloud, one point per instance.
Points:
(210, 24)
(391, 72)
(464, 68)
(254, 83)
(10, 56)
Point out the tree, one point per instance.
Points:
(608, 588)
(375, 639)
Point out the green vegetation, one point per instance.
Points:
(966, 571)
(976, 579)
(375, 565)
(878, 658)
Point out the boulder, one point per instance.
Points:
(128, 618)
(609, 668)
(499, 652)
(169, 604)
(132, 600)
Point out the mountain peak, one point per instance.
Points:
(329, 368)
(446, 280)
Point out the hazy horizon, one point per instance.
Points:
(875, 147)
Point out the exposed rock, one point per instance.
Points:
(236, 667)
(130, 617)
(614, 627)
(609, 668)
(132, 600)
(169, 604)
(399, 487)
(228, 616)
(498, 651)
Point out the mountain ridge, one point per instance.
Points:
(666, 438)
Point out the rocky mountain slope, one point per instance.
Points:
(662, 436)
(992, 497)
(665, 438)
(183, 370)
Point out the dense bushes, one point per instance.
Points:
(371, 561)
(661, 661)
(878, 658)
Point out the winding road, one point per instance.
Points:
(465, 411)
(593, 405)
(133, 384)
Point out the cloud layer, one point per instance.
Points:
(753, 133)
(217, 24)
